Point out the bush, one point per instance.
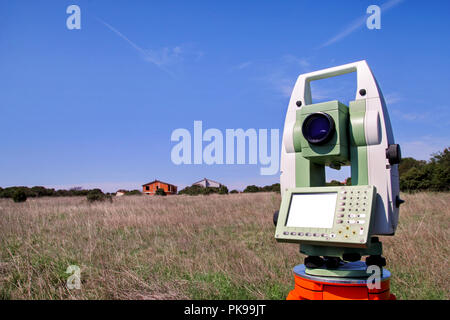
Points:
(408, 163)
(209, 190)
(97, 195)
(160, 192)
(196, 190)
(223, 190)
(252, 189)
(134, 193)
(275, 187)
(334, 183)
(272, 188)
(19, 196)
(433, 175)
(42, 191)
(234, 191)
(11, 191)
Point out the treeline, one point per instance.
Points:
(20, 194)
(415, 175)
(131, 192)
(335, 183)
(35, 192)
(272, 188)
(197, 190)
(431, 175)
(420, 175)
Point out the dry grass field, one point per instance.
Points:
(192, 247)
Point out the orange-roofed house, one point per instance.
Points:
(151, 187)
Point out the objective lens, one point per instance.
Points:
(318, 128)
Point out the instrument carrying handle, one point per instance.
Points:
(366, 84)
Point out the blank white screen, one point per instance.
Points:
(312, 210)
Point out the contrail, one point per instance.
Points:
(356, 24)
(143, 52)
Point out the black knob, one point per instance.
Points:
(332, 262)
(352, 257)
(376, 260)
(398, 201)
(314, 262)
(362, 92)
(393, 154)
(275, 218)
(299, 103)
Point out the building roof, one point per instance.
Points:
(158, 181)
(206, 179)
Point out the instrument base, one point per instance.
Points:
(338, 287)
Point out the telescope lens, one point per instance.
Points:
(318, 128)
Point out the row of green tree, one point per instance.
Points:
(197, 190)
(431, 175)
(272, 188)
(415, 175)
(131, 192)
(42, 192)
(20, 194)
(38, 191)
(420, 175)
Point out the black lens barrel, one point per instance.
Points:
(318, 128)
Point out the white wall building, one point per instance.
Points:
(207, 183)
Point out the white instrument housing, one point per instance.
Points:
(378, 134)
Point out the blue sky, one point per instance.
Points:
(96, 107)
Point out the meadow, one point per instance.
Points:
(192, 247)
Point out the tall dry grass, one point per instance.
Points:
(201, 247)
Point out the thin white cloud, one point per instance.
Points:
(281, 74)
(302, 62)
(423, 147)
(242, 65)
(437, 116)
(280, 82)
(159, 58)
(410, 116)
(170, 56)
(392, 98)
(356, 24)
(164, 56)
(320, 93)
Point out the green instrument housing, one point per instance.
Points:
(347, 146)
(334, 151)
(332, 134)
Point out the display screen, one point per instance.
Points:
(312, 210)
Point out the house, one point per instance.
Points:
(151, 187)
(207, 183)
(120, 193)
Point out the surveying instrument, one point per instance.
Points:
(336, 226)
